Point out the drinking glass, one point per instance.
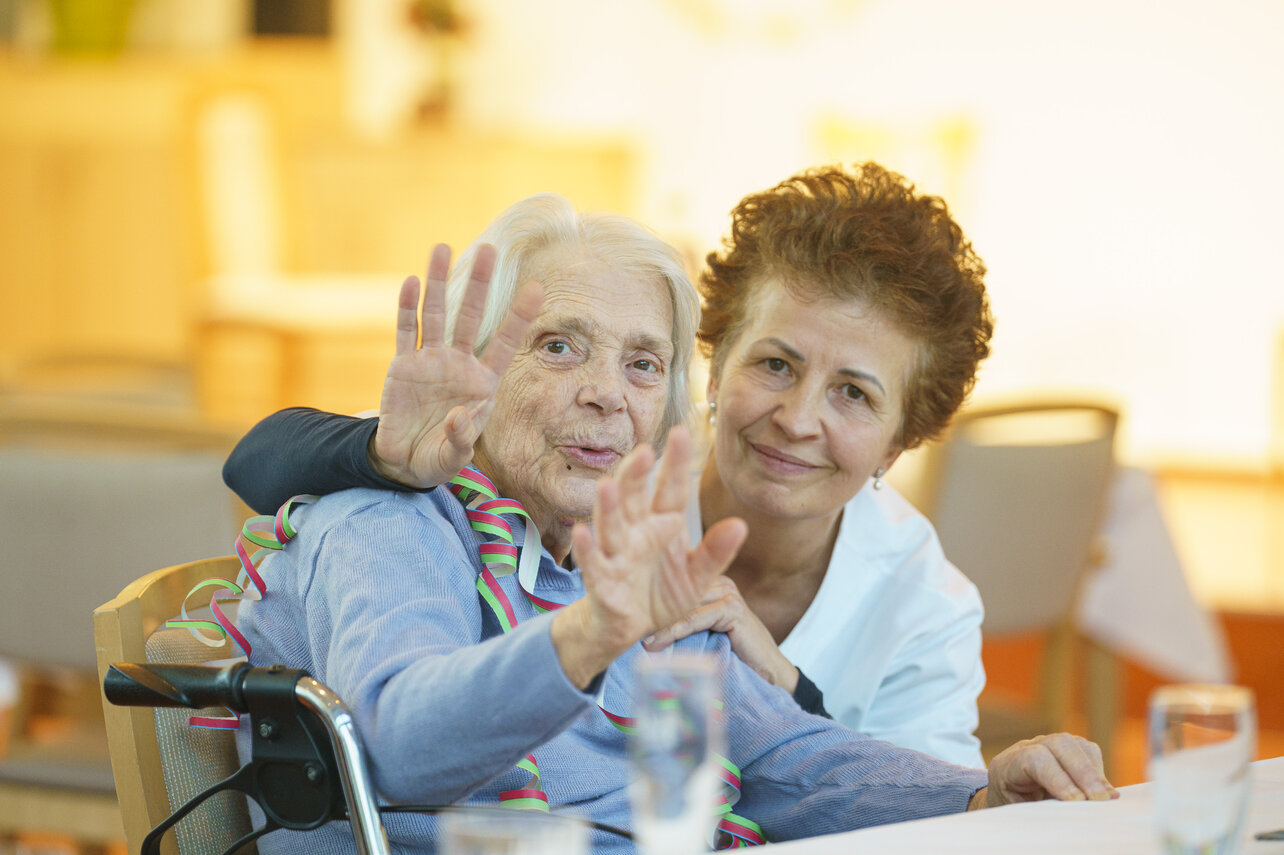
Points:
(674, 746)
(1202, 741)
(511, 832)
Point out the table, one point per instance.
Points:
(1138, 603)
(1121, 827)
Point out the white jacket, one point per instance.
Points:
(893, 637)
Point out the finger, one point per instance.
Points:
(473, 307)
(672, 483)
(632, 478)
(716, 549)
(1043, 767)
(1093, 750)
(1081, 760)
(512, 332)
(433, 323)
(462, 430)
(697, 620)
(720, 588)
(407, 311)
(583, 549)
(608, 529)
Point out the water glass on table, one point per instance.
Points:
(1202, 742)
(677, 739)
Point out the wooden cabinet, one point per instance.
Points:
(103, 246)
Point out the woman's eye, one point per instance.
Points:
(853, 393)
(645, 365)
(776, 364)
(555, 347)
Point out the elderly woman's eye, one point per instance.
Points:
(645, 365)
(776, 364)
(853, 393)
(555, 347)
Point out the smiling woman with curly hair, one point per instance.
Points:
(844, 316)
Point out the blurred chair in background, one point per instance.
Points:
(1275, 548)
(1017, 495)
(158, 759)
(1277, 408)
(266, 329)
(77, 379)
(88, 494)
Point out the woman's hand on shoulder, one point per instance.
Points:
(723, 609)
(437, 396)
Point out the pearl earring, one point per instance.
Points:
(878, 478)
(713, 413)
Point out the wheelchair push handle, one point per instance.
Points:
(136, 684)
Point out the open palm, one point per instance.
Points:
(437, 396)
(639, 572)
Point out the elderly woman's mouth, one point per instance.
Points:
(594, 457)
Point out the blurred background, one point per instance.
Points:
(208, 205)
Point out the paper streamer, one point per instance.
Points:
(484, 507)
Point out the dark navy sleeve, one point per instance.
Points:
(302, 450)
(808, 696)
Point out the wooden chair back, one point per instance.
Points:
(150, 780)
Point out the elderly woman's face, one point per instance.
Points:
(809, 401)
(590, 382)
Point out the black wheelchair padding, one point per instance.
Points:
(292, 774)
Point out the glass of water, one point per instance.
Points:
(675, 745)
(1202, 742)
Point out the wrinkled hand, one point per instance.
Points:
(639, 572)
(437, 397)
(1060, 766)
(723, 609)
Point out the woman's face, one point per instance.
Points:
(809, 401)
(589, 383)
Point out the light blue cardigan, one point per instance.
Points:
(376, 598)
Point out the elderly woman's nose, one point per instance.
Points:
(603, 390)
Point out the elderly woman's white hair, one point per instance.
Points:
(548, 220)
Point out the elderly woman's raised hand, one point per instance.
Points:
(438, 396)
(1060, 766)
(639, 572)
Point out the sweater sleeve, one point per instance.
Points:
(392, 609)
(301, 450)
(805, 775)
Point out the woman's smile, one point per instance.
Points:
(778, 461)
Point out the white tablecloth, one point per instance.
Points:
(1139, 604)
(1125, 826)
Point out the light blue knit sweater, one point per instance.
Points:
(376, 599)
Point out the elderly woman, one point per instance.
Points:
(845, 319)
(458, 674)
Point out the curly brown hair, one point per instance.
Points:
(864, 233)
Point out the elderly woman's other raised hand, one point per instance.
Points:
(639, 572)
(438, 396)
(1060, 766)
